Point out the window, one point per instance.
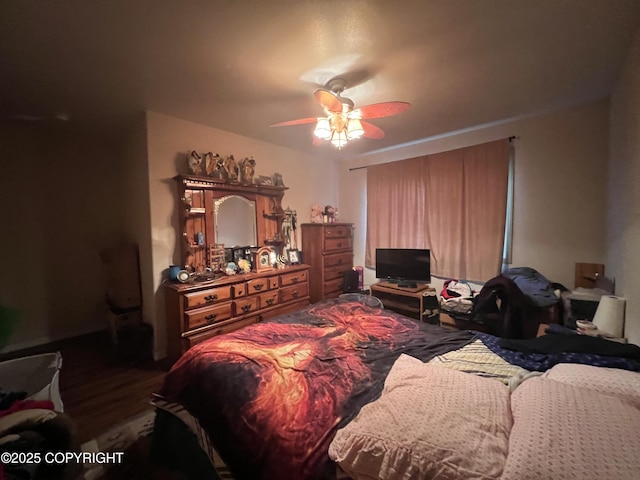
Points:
(454, 203)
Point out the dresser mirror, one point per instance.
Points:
(235, 221)
(215, 213)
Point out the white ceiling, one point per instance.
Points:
(241, 65)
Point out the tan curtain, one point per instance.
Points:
(453, 203)
(395, 207)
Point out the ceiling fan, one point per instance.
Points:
(343, 122)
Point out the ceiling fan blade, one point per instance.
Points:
(384, 109)
(300, 121)
(371, 131)
(329, 101)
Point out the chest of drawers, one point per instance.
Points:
(328, 249)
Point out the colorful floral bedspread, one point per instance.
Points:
(272, 395)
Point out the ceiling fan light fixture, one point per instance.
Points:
(339, 139)
(354, 129)
(323, 129)
(342, 122)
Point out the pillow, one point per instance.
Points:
(429, 422)
(563, 431)
(619, 383)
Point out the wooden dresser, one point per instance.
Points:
(198, 311)
(328, 249)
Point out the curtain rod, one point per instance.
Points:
(511, 138)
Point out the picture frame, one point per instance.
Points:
(293, 255)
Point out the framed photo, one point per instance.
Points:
(293, 256)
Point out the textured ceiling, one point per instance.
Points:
(241, 65)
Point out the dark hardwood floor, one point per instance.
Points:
(100, 384)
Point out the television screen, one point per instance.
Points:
(405, 266)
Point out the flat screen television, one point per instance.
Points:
(405, 266)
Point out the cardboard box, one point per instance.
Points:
(122, 322)
(122, 273)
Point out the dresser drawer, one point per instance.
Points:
(206, 315)
(338, 259)
(214, 331)
(293, 278)
(206, 297)
(338, 231)
(258, 285)
(240, 290)
(268, 299)
(335, 294)
(333, 286)
(294, 292)
(336, 272)
(274, 282)
(246, 305)
(337, 244)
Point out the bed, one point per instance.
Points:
(321, 392)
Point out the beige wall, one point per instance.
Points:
(560, 187)
(623, 232)
(59, 191)
(310, 179)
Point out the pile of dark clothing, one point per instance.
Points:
(514, 303)
(30, 427)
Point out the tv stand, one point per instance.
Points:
(407, 287)
(419, 302)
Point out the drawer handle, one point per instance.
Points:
(340, 244)
(258, 286)
(246, 308)
(294, 279)
(211, 298)
(328, 233)
(269, 301)
(295, 294)
(211, 318)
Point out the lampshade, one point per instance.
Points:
(609, 316)
(339, 139)
(354, 129)
(323, 129)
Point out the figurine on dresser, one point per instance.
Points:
(213, 164)
(317, 213)
(194, 161)
(247, 170)
(230, 168)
